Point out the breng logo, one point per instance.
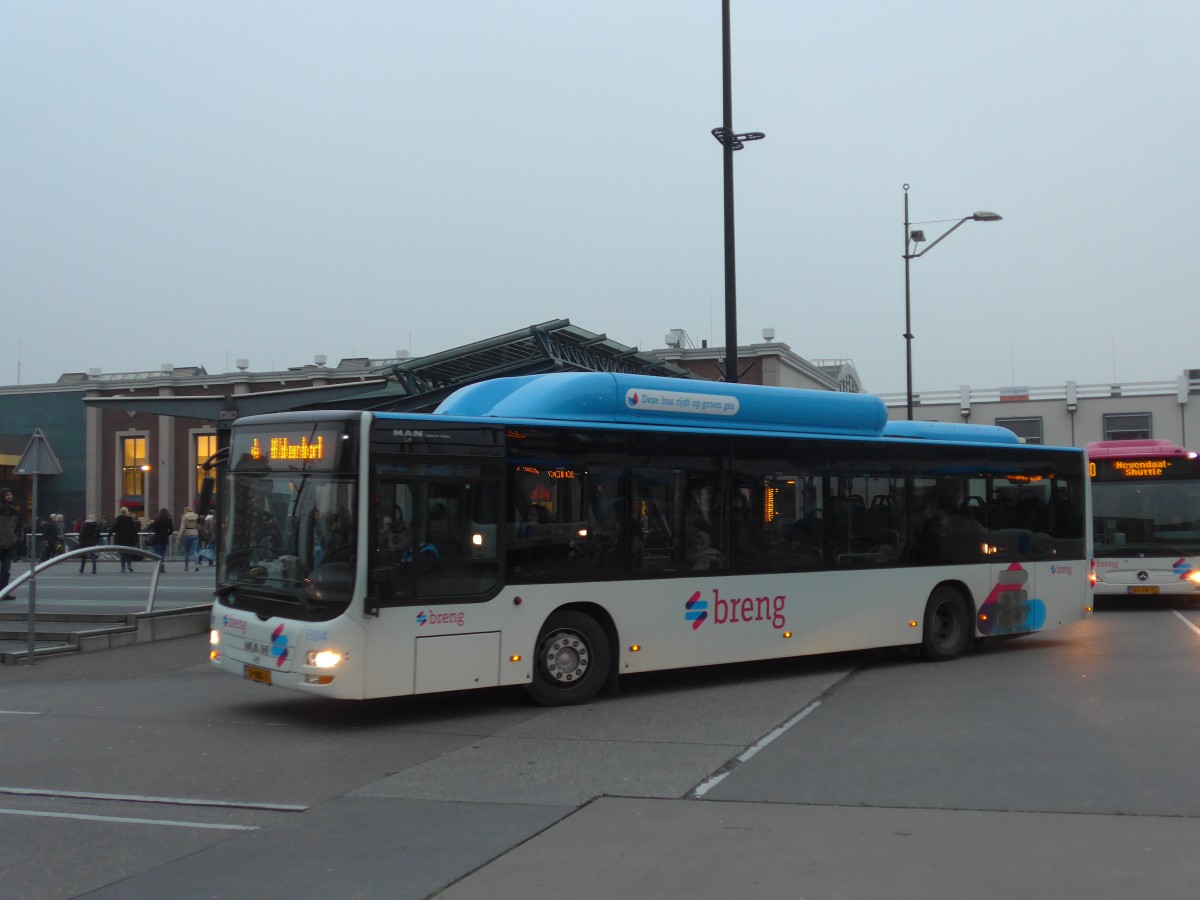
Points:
(438, 618)
(1182, 568)
(734, 610)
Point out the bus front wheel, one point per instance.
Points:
(572, 660)
(947, 624)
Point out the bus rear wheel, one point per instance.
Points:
(571, 661)
(947, 624)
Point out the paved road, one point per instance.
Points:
(1055, 766)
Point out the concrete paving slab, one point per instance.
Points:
(705, 850)
(348, 849)
(568, 772)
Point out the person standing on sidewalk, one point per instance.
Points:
(125, 534)
(161, 530)
(11, 533)
(189, 531)
(208, 539)
(89, 536)
(51, 537)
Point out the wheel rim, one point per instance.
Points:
(946, 625)
(565, 658)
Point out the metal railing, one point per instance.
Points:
(70, 541)
(84, 552)
(1045, 392)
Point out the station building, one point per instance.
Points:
(141, 439)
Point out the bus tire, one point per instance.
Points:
(947, 630)
(571, 661)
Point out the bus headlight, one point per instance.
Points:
(214, 637)
(1193, 576)
(324, 659)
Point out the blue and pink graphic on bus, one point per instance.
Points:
(279, 646)
(735, 610)
(1183, 568)
(1008, 609)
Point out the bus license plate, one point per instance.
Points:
(262, 676)
(1139, 589)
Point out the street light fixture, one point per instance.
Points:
(913, 237)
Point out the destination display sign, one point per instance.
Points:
(278, 447)
(1150, 467)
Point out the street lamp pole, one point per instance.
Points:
(729, 143)
(912, 237)
(907, 311)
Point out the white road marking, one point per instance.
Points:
(135, 798)
(778, 731)
(710, 784)
(746, 754)
(1186, 621)
(127, 821)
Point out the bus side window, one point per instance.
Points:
(604, 506)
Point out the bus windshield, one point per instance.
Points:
(289, 533)
(1159, 518)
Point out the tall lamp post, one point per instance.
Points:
(729, 143)
(911, 239)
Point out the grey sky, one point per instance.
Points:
(196, 182)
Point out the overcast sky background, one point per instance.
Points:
(193, 183)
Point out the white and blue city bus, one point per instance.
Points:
(1146, 519)
(558, 531)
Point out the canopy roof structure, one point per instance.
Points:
(420, 384)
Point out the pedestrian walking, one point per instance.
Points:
(51, 538)
(189, 532)
(208, 539)
(12, 530)
(124, 534)
(89, 536)
(161, 530)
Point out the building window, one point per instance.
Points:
(206, 446)
(1028, 429)
(133, 471)
(1126, 426)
